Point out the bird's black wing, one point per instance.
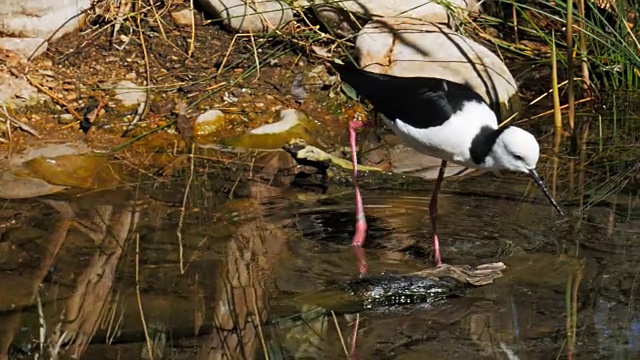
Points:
(420, 102)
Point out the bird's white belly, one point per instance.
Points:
(450, 141)
(428, 145)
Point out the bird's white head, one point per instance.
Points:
(516, 149)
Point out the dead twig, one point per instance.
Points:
(55, 99)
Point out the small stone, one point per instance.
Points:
(48, 73)
(65, 119)
(50, 83)
(182, 17)
(129, 94)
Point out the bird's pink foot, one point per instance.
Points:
(356, 124)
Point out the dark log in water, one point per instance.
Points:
(426, 287)
(396, 289)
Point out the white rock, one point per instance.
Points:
(329, 11)
(13, 182)
(288, 119)
(417, 48)
(182, 17)
(249, 15)
(289, 124)
(129, 93)
(25, 47)
(41, 18)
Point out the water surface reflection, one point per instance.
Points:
(106, 275)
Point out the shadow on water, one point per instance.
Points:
(241, 271)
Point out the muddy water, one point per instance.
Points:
(242, 277)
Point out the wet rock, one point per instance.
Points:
(55, 167)
(49, 149)
(208, 123)
(249, 16)
(13, 186)
(129, 94)
(81, 171)
(41, 19)
(25, 47)
(182, 17)
(338, 19)
(408, 47)
(290, 124)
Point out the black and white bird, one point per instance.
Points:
(446, 120)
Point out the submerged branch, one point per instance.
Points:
(427, 287)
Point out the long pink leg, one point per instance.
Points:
(433, 211)
(361, 221)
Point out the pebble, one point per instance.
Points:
(182, 17)
(65, 119)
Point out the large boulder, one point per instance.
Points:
(337, 14)
(41, 18)
(249, 16)
(409, 47)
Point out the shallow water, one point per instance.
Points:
(243, 277)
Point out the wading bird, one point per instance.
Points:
(445, 120)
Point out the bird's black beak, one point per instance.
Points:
(535, 177)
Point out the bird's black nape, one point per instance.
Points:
(483, 142)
